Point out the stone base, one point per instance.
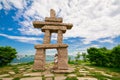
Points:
(70, 70)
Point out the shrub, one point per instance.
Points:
(7, 54)
(104, 57)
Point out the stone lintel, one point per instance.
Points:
(54, 28)
(40, 24)
(52, 19)
(50, 46)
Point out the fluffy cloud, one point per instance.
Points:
(92, 20)
(107, 40)
(31, 40)
(9, 4)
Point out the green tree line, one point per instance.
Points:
(104, 57)
(7, 54)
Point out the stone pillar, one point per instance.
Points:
(47, 37)
(62, 58)
(39, 62)
(60, 36)
(52, 13)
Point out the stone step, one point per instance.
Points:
(86, 78)
(72, 75)
(33, 74)
(32, 78)
(4, 75)
(49, 77)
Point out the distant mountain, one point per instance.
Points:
(30, 58)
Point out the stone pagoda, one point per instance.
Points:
(51, 25)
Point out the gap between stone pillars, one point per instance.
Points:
(62, 58)
(39, 62)
(47, 37)
(60, 36)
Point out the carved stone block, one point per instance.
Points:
(39, 62)
(62, 58)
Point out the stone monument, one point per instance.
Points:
(51, 25)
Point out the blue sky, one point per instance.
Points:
(96, 23)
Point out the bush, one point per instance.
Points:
(116, 56)
(7, 54)
(104, 57)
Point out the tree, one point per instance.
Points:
(78, 56)
(84, 57)
(7, 54)
(92, 54)
(116, 56)
(98, 56)
(105, 57)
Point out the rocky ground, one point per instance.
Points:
(82, 72)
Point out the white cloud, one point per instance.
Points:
(7, 4)
(28, 29)
(92, 19)
(0, 6)
(106, 40)
(31, 40)
(10, 29)
(17, 3)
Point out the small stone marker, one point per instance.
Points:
(4, 75)
(49, 77)
(71, 75)
(12, 73)
(32, 74)
(7, 79)
(86, 78)
(32, 78)
(52, 13)
(60, 78)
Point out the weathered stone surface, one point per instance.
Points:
(70, 70)
(32, 78)
(4, 75)
(33, 74)
(86, 78)
(40, 24)
(62, 58)
(54, 29)
(22, 69)
(47, 37)
(60, 37)
(50, 46)
(49, 77)
(72, 75)
(60, 78)
(12, 73)
(52, 25)
(50, 19)
(7, 78)
(89, 68)
(52, 13)
(39, 61)
(84, 71)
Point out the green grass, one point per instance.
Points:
(99, 76)
(115, 72)
(17, 78)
